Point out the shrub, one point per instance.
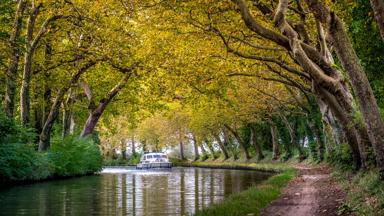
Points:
(11, 132)
(22, 162)
(75, 156)
(130, 161)
(341, 157)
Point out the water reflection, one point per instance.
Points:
(181, 191)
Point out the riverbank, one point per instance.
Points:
(71, 157)
(297, 189)
(254, 199)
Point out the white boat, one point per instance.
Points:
(154, 160)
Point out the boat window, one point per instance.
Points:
(156, 156)
(164, 156)
(149, 156)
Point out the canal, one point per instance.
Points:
(126, 191)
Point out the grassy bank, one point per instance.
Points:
(263, 166)
(365, 191)
(252, 200)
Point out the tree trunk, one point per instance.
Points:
(241, 142)
(133, 145)
(9, 98)
(378, 8)
(96, 113)
(318, 139)
(29, 50)
(45, 134)
(256, 145)
(275, 144)
(123, 148)
(67, 115)
(360, 84)
(228, 142)
(203, 151)
(294, 140)
(195, 147)
(181, 146)
(345, 119)
(210, 147)
(30, 46)
(38, 115)
(222, 146)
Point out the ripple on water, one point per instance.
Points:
(127, 191)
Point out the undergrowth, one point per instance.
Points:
(19, 160)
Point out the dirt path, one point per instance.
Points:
(312, 193)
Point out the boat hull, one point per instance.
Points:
(154, 165)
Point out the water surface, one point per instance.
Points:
(126, 191)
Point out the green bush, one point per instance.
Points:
(11, 132)
(74, 156)
(22, 162)
(341, 157)
(130, 161)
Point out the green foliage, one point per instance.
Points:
(341, 157)
(130, 161)
(22, 162)
(11, 132)
(367, 42)
(365, 192)
(75, 156)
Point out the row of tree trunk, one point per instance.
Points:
(228, 141)
(328, 84)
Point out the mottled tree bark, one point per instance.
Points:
(345, 119)
(10, 91)
(275, 143)
(195, 147)
(203, 151)
(228, 142)
(45, 134)
(133, 145)
(30, 46)
(210, 147)
(181, 148)
(67, 115)
(96, 113)
(222, 146)
(255, 144)
(292, 134)
(378, 9)
(319, 141)
(367, 102)
(241, 142)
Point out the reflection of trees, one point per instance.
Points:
(183, 192)
(196, 191)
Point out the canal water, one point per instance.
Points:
(126, 191)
